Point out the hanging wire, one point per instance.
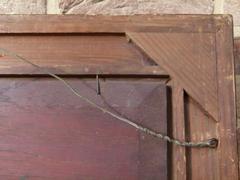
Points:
(210, 143)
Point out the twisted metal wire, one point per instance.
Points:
(210, 143)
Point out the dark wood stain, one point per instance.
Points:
(44, 135)
(237, 55)
(76, 55)
(47, 132)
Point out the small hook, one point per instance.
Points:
(98, 85)
(213, 143)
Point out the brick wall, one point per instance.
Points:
(120, 7)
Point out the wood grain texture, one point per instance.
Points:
(193, 65)
(178, 161)
(226, 101)
(237, 55)
(203, 163)
(48, 133)
(237, 76)
(106, 24)
(195, 51)
(76, 55)
(209, 80)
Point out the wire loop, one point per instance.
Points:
(211, 143)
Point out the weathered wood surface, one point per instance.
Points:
(75, 55)
(106, 24)
(177, 129)
(194, 51)
(48, 133)
(207, 75)
(179, 57)
(237, 76)
(201, 126)
(237, 55)
(227, 101)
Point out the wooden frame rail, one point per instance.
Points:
(194, 52)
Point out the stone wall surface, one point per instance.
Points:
(130, 7)
(23, 6)
(233, 7)
(123, 7)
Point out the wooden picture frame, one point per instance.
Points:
(192, 53)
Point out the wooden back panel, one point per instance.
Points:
(194, 53)
(75, 54)
(48, 133)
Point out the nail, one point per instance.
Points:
(98, 85)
